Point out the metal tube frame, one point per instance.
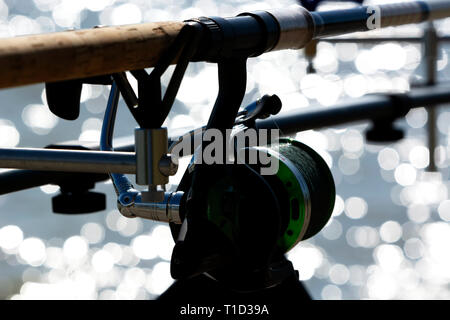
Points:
(370, 107)
(68, 160)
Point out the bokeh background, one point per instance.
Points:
(389, 235)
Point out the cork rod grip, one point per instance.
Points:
(83, 53)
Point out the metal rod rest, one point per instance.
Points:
(370, 107)
(68, 160)
(362, 109)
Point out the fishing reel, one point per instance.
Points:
(245, 221)
(250, 212)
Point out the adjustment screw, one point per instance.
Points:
(167, 166)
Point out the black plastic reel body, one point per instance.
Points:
(246, 222)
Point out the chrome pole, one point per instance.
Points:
(68, 160)
(430, 53)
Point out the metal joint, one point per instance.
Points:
(167, 210)
(153, 163)
(296, 27)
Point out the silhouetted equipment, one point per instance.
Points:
(70, 55)
(247, 221)
(229, 220)
(63, 98)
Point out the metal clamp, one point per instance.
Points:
(167, 210)
(153, 163)
(130, 202)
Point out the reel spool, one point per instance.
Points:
(305, 188)
(249, 221)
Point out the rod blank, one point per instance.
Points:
(99, 51)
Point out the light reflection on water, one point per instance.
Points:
(389, 233)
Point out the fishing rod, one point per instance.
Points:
(80, 54)
(230, 220)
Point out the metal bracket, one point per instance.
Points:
(154, 165)
(132, 203)
(149, 108)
